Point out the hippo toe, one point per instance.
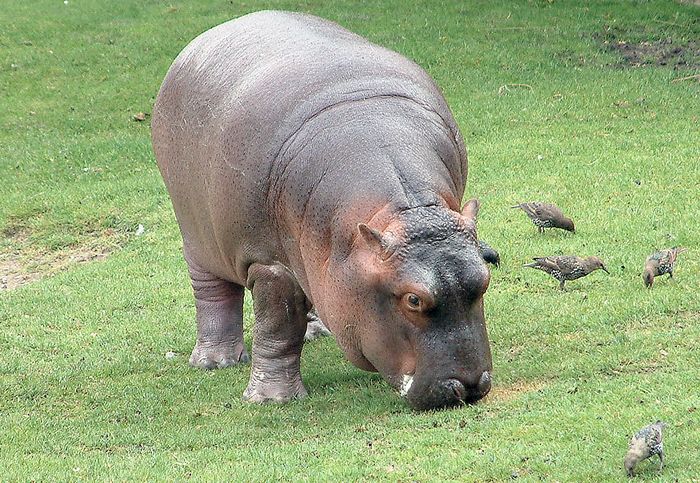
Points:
(218, 356)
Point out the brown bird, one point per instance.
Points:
(647, 442)
(660, 263)
(545, 215)
(566, 267)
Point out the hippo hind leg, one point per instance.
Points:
(278, 334)
(219, 306)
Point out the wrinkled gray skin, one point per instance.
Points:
(316, 168)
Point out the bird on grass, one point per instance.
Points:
(489, 254)
(647, 442)
(315, 327)
(661, 262)
(546, 215)
(567, 267)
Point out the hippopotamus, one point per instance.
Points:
(318, 169)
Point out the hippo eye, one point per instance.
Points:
(413, 301)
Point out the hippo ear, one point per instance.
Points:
(470, 209)
(382, 245)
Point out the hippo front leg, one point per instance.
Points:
(219, 314)
(278, 335)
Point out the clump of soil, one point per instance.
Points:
(667, 51)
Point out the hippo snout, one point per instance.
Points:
(484, 385)
(469, 393)
(448, 392)
(456, 388)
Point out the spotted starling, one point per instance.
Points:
(565, 268)
(646, 443)
(545, 215)
(660, 263)
(489, 254)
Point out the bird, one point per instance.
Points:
(546, 215)
(660, 262)
(489, 254)
(566, 267)
(315, 327)
(647, 442)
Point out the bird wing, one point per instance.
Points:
(548, 263)
(673, 254)
(665, 257)
(656, 256)
(531, 208)
(548, 211)
(566, 264)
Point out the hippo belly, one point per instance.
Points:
(296, 155)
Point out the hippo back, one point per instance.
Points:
(236, 97)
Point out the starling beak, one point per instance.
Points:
(565, 268)
(647, 442)
(545, 215)
(661, 262)
(489, 254)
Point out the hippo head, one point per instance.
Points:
(414, 309)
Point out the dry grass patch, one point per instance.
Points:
(500, 394)
(22, 263)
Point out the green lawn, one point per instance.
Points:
(85, 390)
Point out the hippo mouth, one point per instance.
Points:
(444, 393)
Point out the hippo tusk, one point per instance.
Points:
(406, 385)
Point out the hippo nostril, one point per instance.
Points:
(484, 384)
(457, 389)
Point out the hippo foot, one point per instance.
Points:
(208, 355)
(261, 391)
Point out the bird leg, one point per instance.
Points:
(561, 285)
(661, 459)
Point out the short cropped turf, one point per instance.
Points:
(591, 105)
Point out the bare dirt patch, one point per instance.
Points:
(639, 48)
(501, 394)
(660, 53)
(21, 263)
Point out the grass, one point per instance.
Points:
(85, 390)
